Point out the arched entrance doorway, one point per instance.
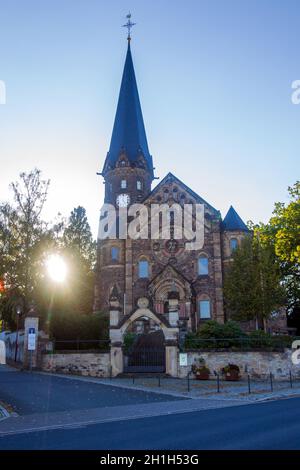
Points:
(146, 353)
(143, 341)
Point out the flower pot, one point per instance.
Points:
(202, 376)
(232, 376)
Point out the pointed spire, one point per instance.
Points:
(129, 135)
(232, 221)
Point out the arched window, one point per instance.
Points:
(114, 253)
(202, 265)
(204, 309)
(123, 184)
(143, 268)
(233, 244)
(139, 185)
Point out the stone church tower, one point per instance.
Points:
(158, 270)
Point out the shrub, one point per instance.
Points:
(191, 341)
(231, 367)
(129, 339)
(73, 327)
(282, 341)
(224, 335)
(260, 339)
(213, 335)
(213, 329)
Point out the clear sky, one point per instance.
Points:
(214, 79)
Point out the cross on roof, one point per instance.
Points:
(129, 25)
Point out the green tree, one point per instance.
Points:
(77, 237)
(283, 234)
(79, 250)
(252, 288)
(26, 241)
(283, 229)
(74, 297)
(23, 238)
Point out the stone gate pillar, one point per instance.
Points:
(172, 358)
(116, 359)
(31, 357)
(115, 334)
(172, 337)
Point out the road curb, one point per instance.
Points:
(252, 398)
(107, 382)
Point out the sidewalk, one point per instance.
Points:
(259, 390)
(231, 391)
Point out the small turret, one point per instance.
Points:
(233, 222)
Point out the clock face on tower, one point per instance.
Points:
(123, 200)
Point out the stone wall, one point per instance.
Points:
(86, 364)
(257, 364)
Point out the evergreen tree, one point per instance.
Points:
(79, 250)
(252, 288)
(78, 238)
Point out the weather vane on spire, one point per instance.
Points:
(129, 25)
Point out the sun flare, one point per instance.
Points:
(57, 268)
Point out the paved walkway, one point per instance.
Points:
(259, 390)
(53, 401)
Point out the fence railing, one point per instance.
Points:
(217, 383)
(80, 344)
(275, 343)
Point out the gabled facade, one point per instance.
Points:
(153, 269)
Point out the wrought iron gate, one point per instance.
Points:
(147, 354)
(145, 360)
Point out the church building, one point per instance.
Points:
(157, 274)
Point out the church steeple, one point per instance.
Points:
(128, 167)
(129, 135)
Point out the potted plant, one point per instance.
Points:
(231, 372)
(200, 370)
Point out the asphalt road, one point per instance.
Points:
(271, 425)
(38, 393)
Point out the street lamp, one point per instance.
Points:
(19, 313)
